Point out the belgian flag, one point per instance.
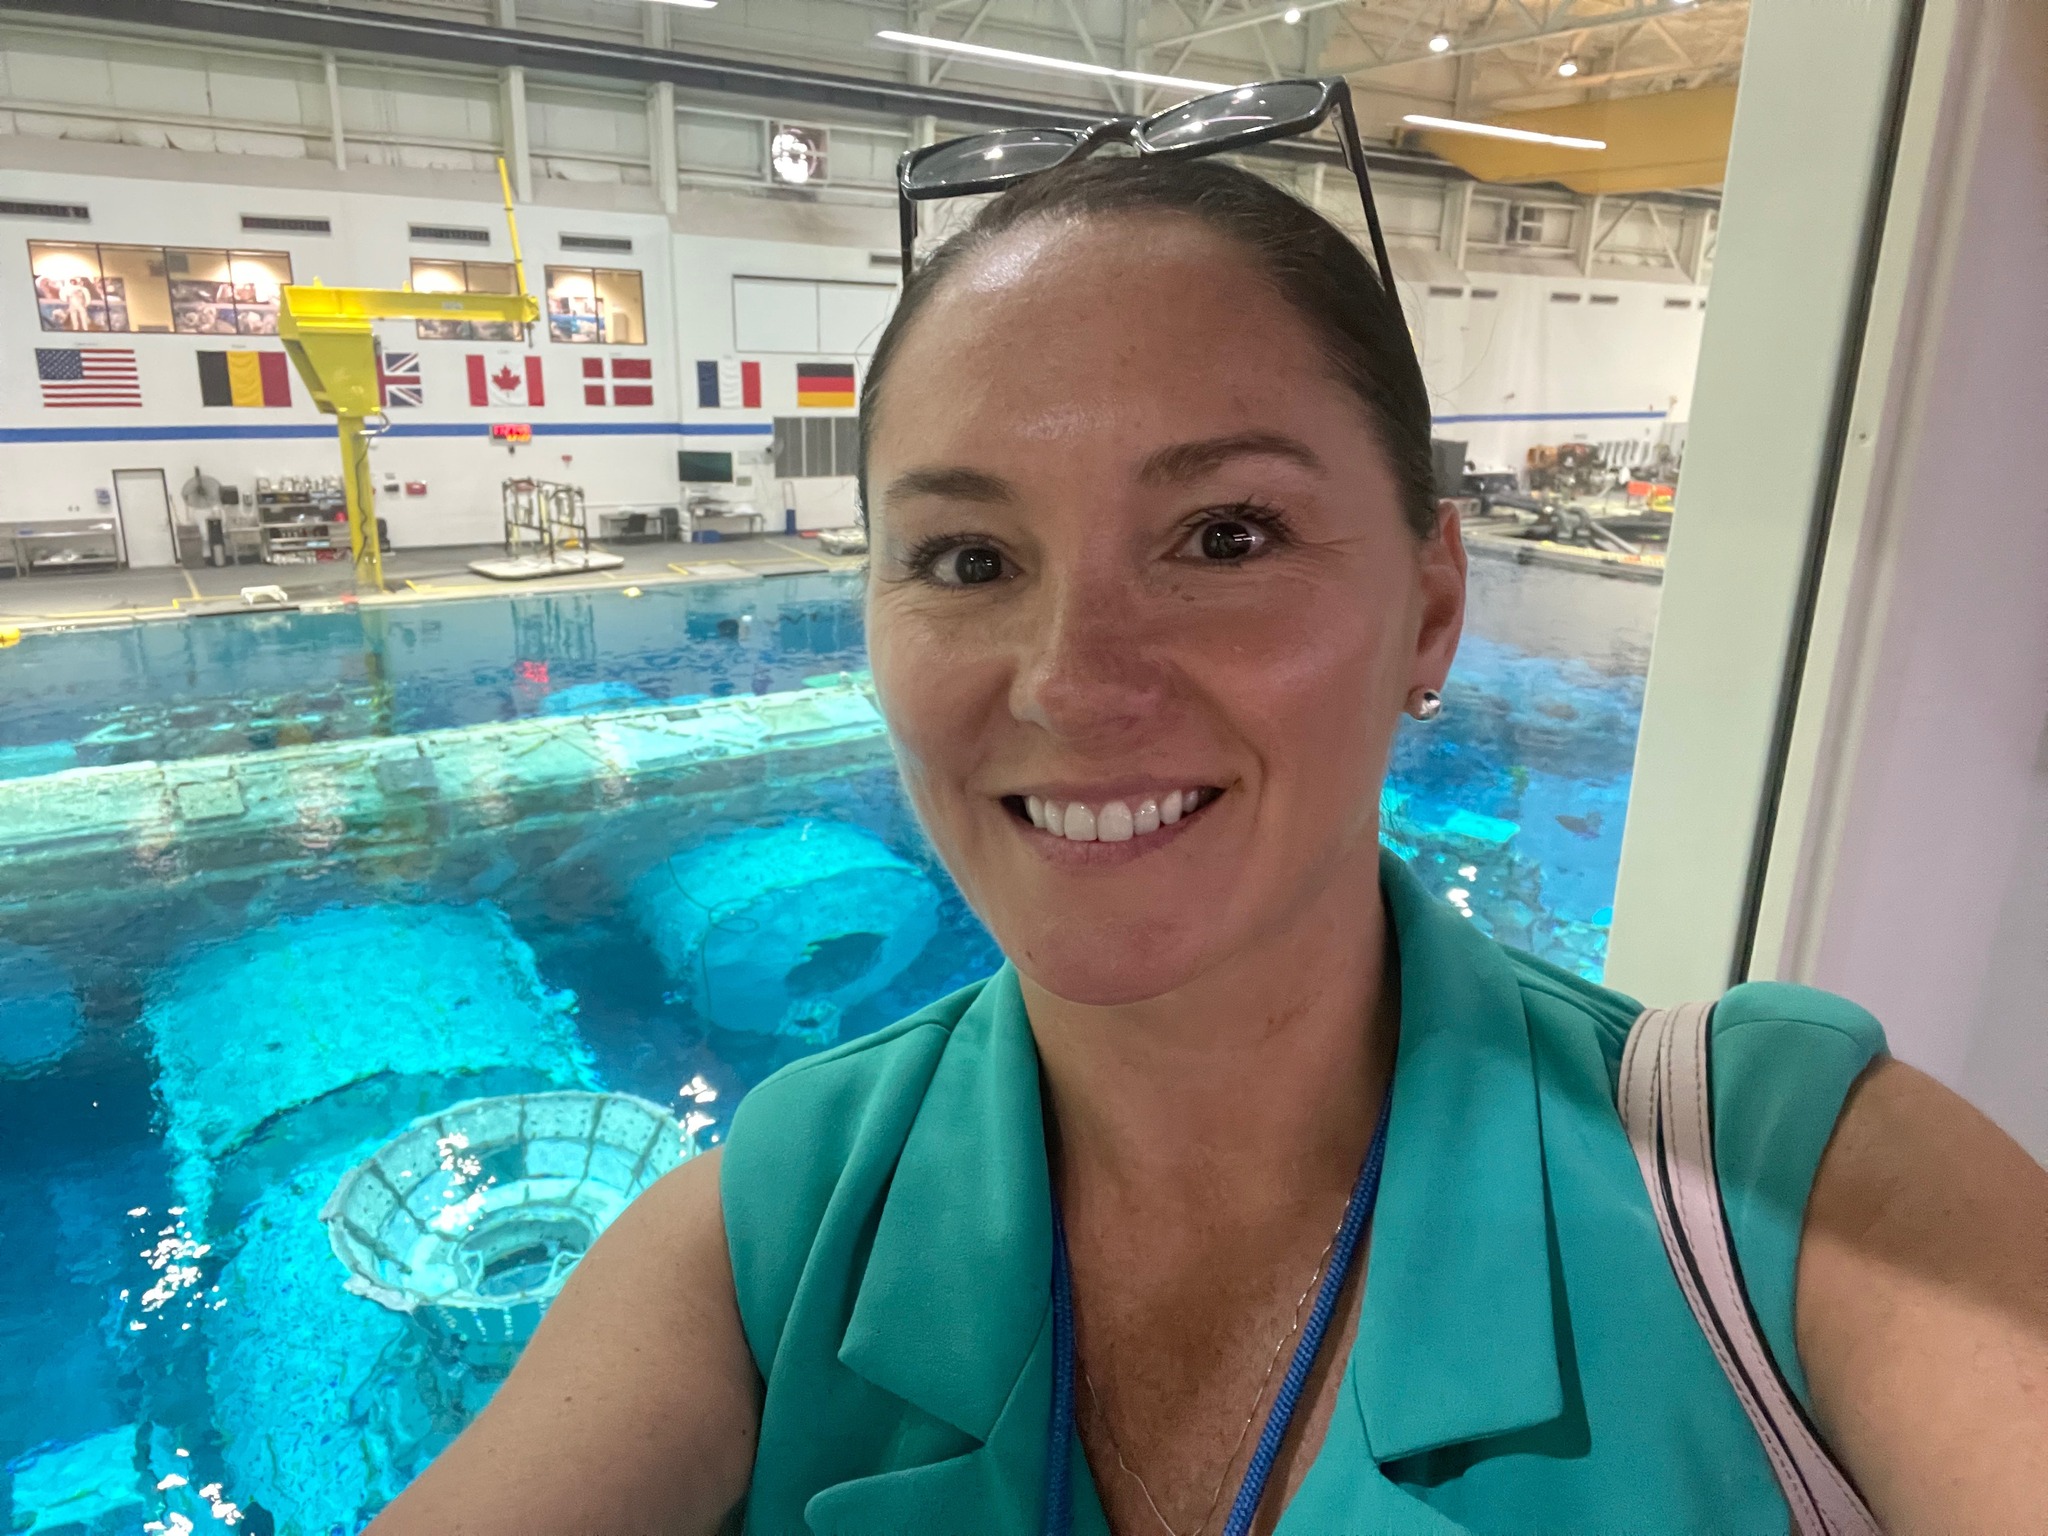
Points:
(245, 378)
(825, 384)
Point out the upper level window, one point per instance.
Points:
(466, 277)
(596, 305)
(92, 287)
(226, 292)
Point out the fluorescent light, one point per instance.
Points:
(695, 5)
(1494, 131)
(1568, 68)
(1044, 61)
(1441, 43)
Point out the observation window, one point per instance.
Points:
(596, 306)
(466, 277)
(93, 287)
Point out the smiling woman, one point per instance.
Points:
(1155, 574)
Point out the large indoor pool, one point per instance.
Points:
(356, 966)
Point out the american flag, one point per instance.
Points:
(398, 379)
(88, 376)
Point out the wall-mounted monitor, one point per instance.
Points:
(694, 467)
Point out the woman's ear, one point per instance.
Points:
(1441, 560)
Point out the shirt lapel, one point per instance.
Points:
(1457, 1339)
(957, 1284)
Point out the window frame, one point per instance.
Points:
(471, 331)
(602, 336)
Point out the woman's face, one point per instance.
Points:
(1133, 541)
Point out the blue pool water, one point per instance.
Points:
(324, 876)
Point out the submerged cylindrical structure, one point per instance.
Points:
(782, 929)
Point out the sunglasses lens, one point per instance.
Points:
(991, 157)
(1227, 114)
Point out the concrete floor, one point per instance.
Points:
(410, 575)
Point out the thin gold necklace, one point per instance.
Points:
(1222, 1477)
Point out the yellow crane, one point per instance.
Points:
(327, 333)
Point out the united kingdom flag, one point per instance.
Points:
(398, 379)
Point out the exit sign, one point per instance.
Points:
(511, 432)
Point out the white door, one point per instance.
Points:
(144, 500)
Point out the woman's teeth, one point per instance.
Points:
(1117, 821)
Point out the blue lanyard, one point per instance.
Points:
(1059, 1493)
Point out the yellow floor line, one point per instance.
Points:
(190, 585)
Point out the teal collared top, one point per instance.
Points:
(1524, 1360)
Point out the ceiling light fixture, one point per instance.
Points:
(1044, 61)
(695, 5)
(1441, 43)
(1495, 131)
(1568, 68)
(1291, 15)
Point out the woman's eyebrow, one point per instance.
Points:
(1185, 461)
(953, 483)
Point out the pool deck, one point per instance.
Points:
(410, 575)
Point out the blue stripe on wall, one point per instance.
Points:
(1558, 416)
(166, 434)
(143, 434)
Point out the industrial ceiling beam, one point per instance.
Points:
(387, 35)
(1562, 21)
(1239, 23)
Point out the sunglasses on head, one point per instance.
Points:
(1224, 120)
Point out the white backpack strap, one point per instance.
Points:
(1666, 1102)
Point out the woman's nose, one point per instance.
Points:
(1088, 662)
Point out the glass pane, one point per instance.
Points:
(575, 312)
(438, 277)
(492, 277)
(138, 292)
(619, 302)
(68, 292)
(258, 277)
(202, 292)
(990, 157)
(1226, 114)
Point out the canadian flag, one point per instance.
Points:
(512, 379)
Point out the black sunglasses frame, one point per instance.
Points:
(1336, 98)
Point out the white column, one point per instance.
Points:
(1587, 234)
(506, 14)
(1761, 463)
(513, 133)
(661, 142)
(334, 139)
(1692, 242)
(1457, 221)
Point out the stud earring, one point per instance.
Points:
(1425, 704)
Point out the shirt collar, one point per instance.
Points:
(958, 1284)
(1457, 1339)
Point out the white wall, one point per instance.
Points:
(616, 453)
(1509, 372)
(171, 141)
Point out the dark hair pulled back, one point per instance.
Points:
(1309, 261)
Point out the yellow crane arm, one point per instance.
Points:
(326, 331)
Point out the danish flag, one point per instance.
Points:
(506, 380)
(632, 381)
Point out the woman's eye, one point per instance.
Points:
(1225, 541)
(970, 565)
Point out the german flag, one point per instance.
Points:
(245, 378)
(825, 384)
